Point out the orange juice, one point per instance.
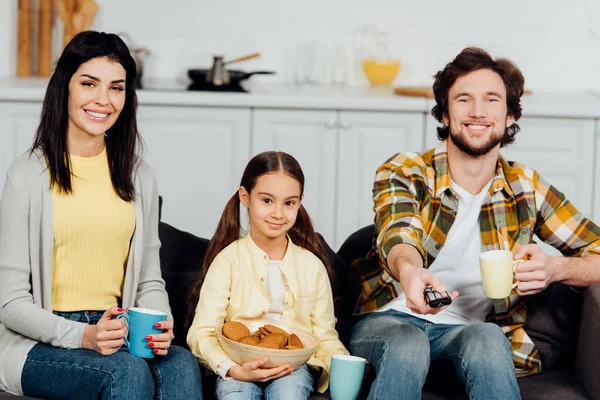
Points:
(381, 72)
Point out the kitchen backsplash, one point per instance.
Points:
(557, 46)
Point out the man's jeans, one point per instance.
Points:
(56, 373)
(402, 347)
(297, 386)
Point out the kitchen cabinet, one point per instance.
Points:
(367, 140)
(310, 136)
(199, 155)
(18, 123)
(339, 152)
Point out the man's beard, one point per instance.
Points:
(464, 146)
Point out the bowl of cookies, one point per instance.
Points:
(249, 341)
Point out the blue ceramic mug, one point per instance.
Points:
(140, 323)
(346, 376)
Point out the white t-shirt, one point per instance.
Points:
(457, 266)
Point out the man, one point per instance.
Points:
(435, 212)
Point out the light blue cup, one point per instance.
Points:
(140, 323)
(346, 376)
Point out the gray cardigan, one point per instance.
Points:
(26, 259)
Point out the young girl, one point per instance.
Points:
(276, 272)
(79, 243)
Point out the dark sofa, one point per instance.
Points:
(565, 324)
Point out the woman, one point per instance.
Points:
(79, 243)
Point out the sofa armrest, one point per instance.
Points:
(587, 362)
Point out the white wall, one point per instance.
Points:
(556, 45)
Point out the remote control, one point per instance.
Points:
(436, 299)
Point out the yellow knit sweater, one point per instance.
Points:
(92, 233)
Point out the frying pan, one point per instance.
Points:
(235, 76)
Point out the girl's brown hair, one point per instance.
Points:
(229, 228)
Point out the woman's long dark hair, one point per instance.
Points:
(229, 228)
(122, 138)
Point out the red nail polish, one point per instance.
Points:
(151, 344)
(157, 325)
(148, 337)
(155, 351)
(119, 309)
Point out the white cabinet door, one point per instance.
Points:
(310, 137)
(199, 155)
(18, 123)
(367, 140)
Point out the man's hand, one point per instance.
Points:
(252, 371)
(537, 271)
(106, 337)
(413, 281)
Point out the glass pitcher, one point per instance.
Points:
(372, 45)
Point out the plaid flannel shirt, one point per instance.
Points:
(415, 204)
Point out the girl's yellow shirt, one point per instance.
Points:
(235, 289)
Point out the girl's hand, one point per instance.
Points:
(161, 342)
(252, 371)
(106, 337)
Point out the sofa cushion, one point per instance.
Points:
(552, 323)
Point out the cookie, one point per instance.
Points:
(294, 340)
(251, 340)
(235, 330)
(263, 331)
(278, 338)
(274, 329)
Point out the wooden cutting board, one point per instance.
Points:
(423, 91)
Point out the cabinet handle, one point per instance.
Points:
(330, 123)
(345, 125)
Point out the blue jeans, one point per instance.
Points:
(402, 348)
(56, 373)
(297, 386)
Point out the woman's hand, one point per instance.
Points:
(252, 371)
(161, 342)
(106, 337)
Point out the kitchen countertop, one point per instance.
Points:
(281, 95)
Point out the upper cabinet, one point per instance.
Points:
(199, 155)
